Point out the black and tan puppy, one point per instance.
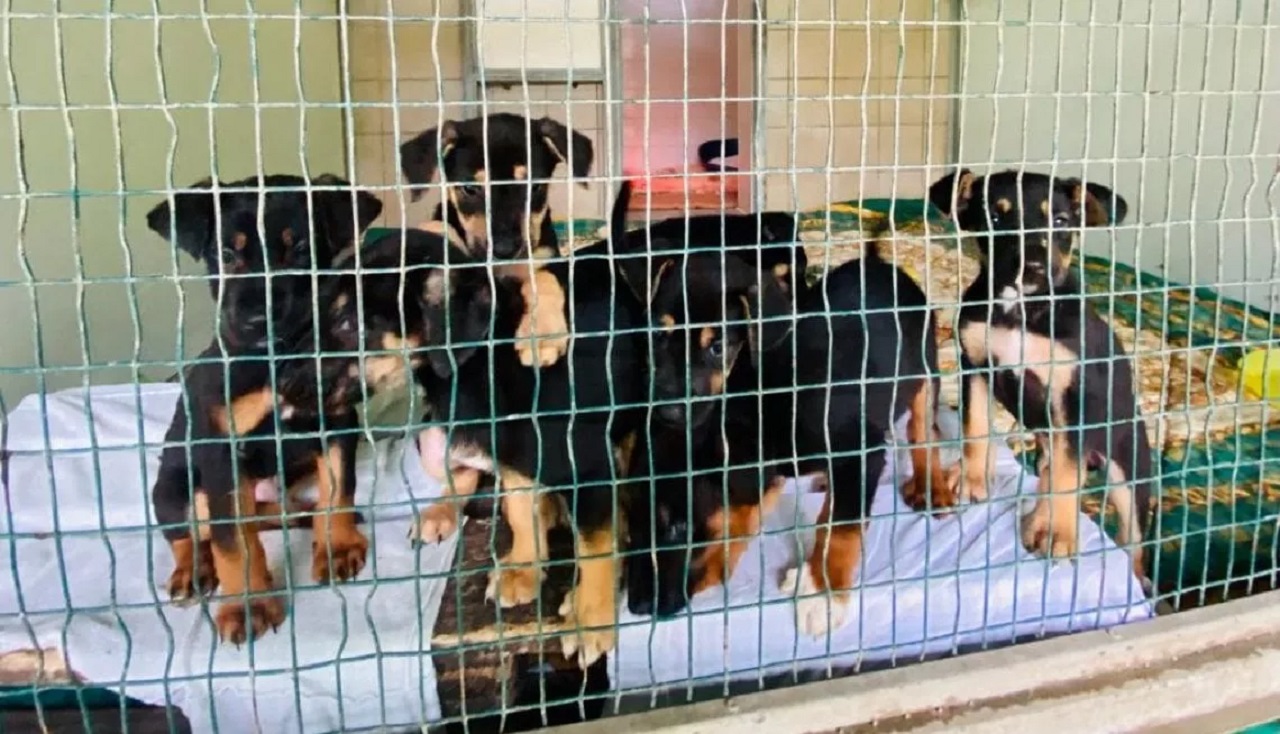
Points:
(222, 444)
(864, 355)
(698, 488)
(1027, 333)
(496, 171)
(558, 439)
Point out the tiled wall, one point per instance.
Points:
(827, 135)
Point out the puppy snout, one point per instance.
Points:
(673, 413)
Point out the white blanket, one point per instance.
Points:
(927, 586)
(357, 655)
(347, 657)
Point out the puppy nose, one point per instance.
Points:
(640, 604)
(672, 412)
(504, 247)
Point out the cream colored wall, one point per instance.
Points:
(857, 104)
(100, 231)
(1180, 116)
(802, 132)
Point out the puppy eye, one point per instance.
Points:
(715, 352)
(469, 190)
(1061, 221)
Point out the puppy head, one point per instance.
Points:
(222, 227)
(497, 166)
(705, 310)
(1028, 222)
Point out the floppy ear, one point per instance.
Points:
(635, 271)
(557, 139)
(959, 184)
(420, 157)
(188, 225)
(1102, 206)
(470, 310)
(768, 302)
(334, 210)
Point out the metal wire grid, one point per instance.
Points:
(775, 27)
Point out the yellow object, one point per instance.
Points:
(1260, 374)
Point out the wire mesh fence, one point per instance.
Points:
(499, 364)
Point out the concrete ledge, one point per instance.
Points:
(1197, 665)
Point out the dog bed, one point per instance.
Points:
(88, 575)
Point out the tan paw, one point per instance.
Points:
(939, 494)
(969, 484)
(817, 611)
(348, 551)
(187, 585)
(513, 587)
(239, 621)
(542, 337)
(1051, 534)
(435, 524)
(592, 624)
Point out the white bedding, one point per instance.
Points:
(928, 586)
(970, 583)
(369, 639)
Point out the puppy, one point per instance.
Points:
(1027, 334)
(221, 445)
(864, 354)
(706, 490)
(558, 439)
(496, 171)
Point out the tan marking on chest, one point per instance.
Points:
(1052, 363)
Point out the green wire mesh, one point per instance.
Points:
(241, 87)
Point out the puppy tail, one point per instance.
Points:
(618, 217)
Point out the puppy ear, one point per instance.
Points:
(188, 224)
(421, 156)
(958, 185)
(1102, 206)
(636, 270)
(767, 302)
(470, 310)
(558, 140)
(334, 210)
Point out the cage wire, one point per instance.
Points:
(841, 115)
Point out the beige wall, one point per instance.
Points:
(100, 233)
(814, 114)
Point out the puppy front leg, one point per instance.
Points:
(246, 612)
(1052, 528)
(440, 519)
(542, 336)
(516, 580)
(968, 479)
(335, 532)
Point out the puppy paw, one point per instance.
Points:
(939, 493)
(542, 336)
(435, 524)
(1051, 534)
(239, 621)
(348, 551)
(968, 484)
(513, 587)
(592, 623)
(817, 610)
(187, 585)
